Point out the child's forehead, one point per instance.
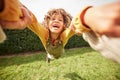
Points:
(57, 15)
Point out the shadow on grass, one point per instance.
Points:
(117, 74)
(74, 76)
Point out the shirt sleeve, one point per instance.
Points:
(39, 30)
(77, 22)
(66, 35)
(11, 10)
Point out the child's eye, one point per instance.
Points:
(53, 19)
(60, 20)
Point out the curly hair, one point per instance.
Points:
(66, 17)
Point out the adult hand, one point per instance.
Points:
(104, 19)
(22, 23)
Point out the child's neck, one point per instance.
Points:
(54, 38)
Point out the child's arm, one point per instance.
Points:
(39, 29)
(10, 10)
(76, 27)
(77, 23)
(66, 35)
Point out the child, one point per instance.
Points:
(54, 32)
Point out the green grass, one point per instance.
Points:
(75, 64)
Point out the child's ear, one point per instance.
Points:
(2, 35)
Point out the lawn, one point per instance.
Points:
(75, 64)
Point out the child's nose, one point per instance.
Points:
(56, 20)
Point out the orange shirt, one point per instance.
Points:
(43, 33)
(13, 8)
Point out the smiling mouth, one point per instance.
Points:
(56, 26)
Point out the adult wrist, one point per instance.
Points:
(82, 16)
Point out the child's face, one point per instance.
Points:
(56, 24)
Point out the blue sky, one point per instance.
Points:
(40, 7)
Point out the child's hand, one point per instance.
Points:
(76, 31)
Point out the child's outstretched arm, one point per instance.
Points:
(67, 34)
(39, 29)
